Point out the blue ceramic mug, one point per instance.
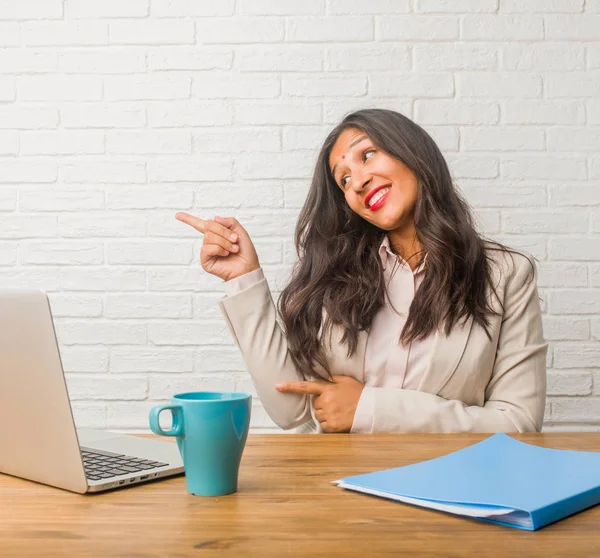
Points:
(211, 429)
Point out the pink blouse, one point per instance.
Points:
(388, 363)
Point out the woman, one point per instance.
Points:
(399, 317)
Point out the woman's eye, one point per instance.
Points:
(368, 151)
(343, 181)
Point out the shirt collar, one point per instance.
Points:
(385, 253)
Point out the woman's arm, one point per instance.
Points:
(252, 319)
(515, 395)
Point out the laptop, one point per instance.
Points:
(38, 438)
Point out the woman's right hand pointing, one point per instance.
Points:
(227, 251)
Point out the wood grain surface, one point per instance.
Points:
(285, 506)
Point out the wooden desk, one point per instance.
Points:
(285, 506)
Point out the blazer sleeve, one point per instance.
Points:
(252, 319)
(516, 393)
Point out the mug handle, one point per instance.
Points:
(177, 414)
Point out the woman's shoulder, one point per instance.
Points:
(509, 262)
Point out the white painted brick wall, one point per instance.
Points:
(116, 114)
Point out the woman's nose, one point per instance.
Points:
(360, 181)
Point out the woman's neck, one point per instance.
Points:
(407, 247)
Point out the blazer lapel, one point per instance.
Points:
(445, 356)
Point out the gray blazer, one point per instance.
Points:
(471, 384)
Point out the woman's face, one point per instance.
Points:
(378, 187)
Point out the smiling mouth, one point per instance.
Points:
(377, 197)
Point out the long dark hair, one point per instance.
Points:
(338, 278)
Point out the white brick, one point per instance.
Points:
(594, 167)
(456, 112)
(130, 414)
(160, 142)
(9, 143)
(102, 116)
(593, 56)
(295, 192)
(551, 167)
(193, 333)
(174, 196)
(542, 6)
(206, 307)
(90, 387)
(335, 109)
(75, 306)
(31, 9)
(17, 61)
(288, 165)
(159, 385)
(412, 85)
(62, 143)
(26, 277)
(107, 8)
(65, 33)
(329, 29)
(7, 89)
(582, 249)
(240, 196)
(578, 409)
(228, 86)
(179, 114)
(574, 194)
(222, 140)
(502, 28)
(62, 253)
(8, 256)
(482, 194)
(455, 6)
(553, 274)
(105, 332)
(28, 226)
(592, 6)
(573, 27)
(549, 222)
(103, 279)
(465, 166)
(89, 415)
(37, 199)
(222, 360)
(28, 171)
(152, 32)
(8, 199)
(119, 172)
(595, 275)
(580, 301)
(192, 8)
(596, 335)
(149, 252)
(573, 139)
(319, 85)
(569, 383)
(573, 84)
(233, 30)
(101, 224)
(148, 306)
(150, 87)
(488, 221)
(523, 111)
(261, 114)
(182, 279)
(454, 56)
(543, 57)
(595, 222)
(563, 328)
(84, 359)
(276, 7)
(502, 139)
(536, 246)
(304, 137)
(150, 359)
(498, 84)
(10, 34)
(416, 27)
(384, 7)
(280, 58)
(102, 61)
(59, 88)
(190, 58)
(190, 169)
(368, 57)
(261, 223)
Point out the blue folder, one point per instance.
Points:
(500, 480)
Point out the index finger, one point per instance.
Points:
(307, 388)
(191, 220)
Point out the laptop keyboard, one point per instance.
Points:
(101, 465)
